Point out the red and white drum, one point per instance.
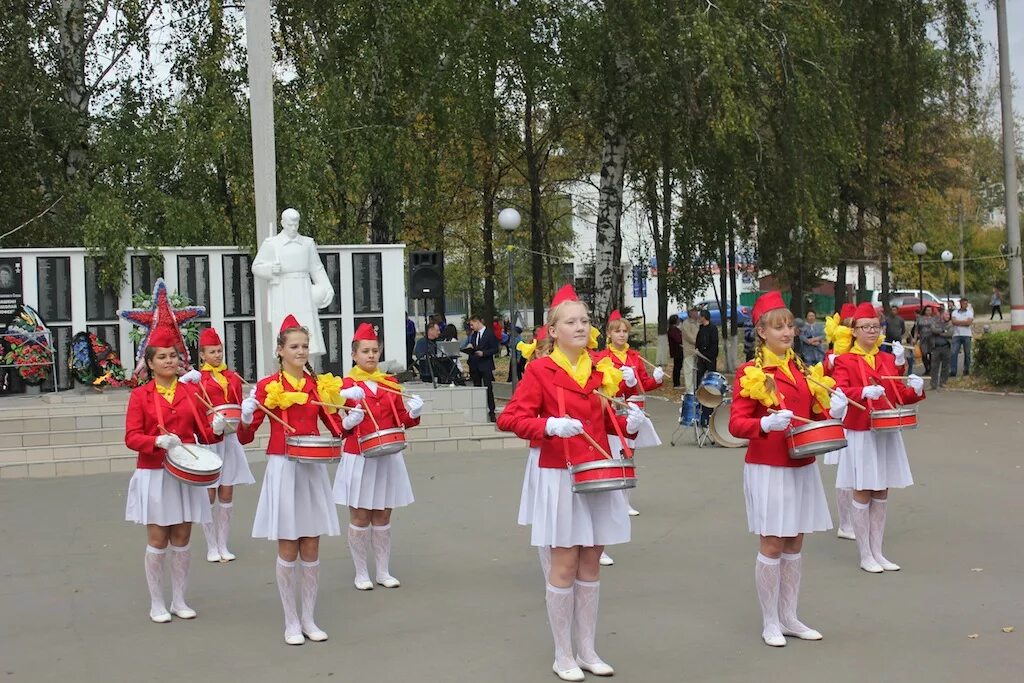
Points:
(313, 449)
(383, 442)
(603, 475)
(894, 420)
(193, 465)
(231, 412)
(815, 438)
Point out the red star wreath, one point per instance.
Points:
(161, 314)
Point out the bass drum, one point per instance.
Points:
(719, 427)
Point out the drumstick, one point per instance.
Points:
(903, 376)
(831, 390)
(266, 411)
(205, 401)
(876, 383)
(187, 449)
(653, 366)
(617, 401)
(339, 406)
(593, 443)
(792, 417)
(209, 401)
(391, 391)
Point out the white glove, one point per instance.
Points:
(354, 393)
(900, 353)
(564, 427)
(658, 375)
(219, 424)
(193, 376)
(414, 404)
(635, 419)
(249, 407)
(353, 419)
(776, 422)
(838, 405)
(628, 375)
(831, 359)
(168, 441)
(916, 383)
(873, 392)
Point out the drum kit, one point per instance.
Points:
(707, 411)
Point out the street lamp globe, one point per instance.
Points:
(919, 248)
(509, 219)
(947, 256)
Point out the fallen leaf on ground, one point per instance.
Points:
(1007, 629)
(973, 636)
(977, 569)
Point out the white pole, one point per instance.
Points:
(1010, 176)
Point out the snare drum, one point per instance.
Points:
(193, 465)
(603, 475)
(231, 412)
(384, 442)
(712, 389)
(894, 420)
(815, 438)
(718, 425)
(313, 448)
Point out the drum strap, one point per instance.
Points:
(565, 442)
(618, 430)
(160, 411)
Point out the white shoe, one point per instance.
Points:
(887, 565)
(226, 555)
(606, 560)
(633, 512)
(388, 581)
(871, 566)
(598, 668)
(212, 555)
(774, 639)
(848, 535)
(314, 633)
(184, 612)
(363, 584)
(160, 618)
(809, 634)
(294, 638)
(573, 674)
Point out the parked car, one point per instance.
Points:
(897, 296)
(742, 312)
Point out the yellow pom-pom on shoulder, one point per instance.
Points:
(328, 388)
(527, 350)
(277, 397)
(594, 334)
(611, 376)
(842, 342)
(754, 385)
(819, 384)
(831, 323)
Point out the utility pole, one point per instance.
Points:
(261, 114)
(960, 223)
(1010, 176)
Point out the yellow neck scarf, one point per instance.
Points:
(621, 355)
(360, 375)
(167, 392)
(277, 397)
(218, 375)
(869, 356)
(770, 360)
(580, 372)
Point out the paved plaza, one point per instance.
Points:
(679, 604)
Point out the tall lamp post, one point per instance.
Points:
(920, 249)
(947, 258)
(509, 220)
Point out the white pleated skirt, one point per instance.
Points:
(156, 497)
(295, 501)
(833, 457)
(531, 478)
(874, 461)
(564, 519)
(236, 467)
(785, 501)
(372, 483)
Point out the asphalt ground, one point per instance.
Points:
(679, 604)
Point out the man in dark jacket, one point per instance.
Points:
(482, 348)
(707, 346)
(675, 348)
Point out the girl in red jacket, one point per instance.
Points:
(785, 498)
(219, 386)
(553, 405)
(373, 487)
(874, 462)
(164, 504)
(295, 507)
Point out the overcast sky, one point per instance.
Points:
(1015, 31)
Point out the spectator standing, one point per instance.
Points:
(451, 333)
(426, 350)
(812, 339)
(690, 327)
(749, 342)
(498, 330)
(895, 328)
(962, 319)
(675, 348)
(923, 330)
(996, 301)
(707, 347)
(941, 338)
(482, 348)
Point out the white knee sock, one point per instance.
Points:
(560, 616)
(544, 552)
(382, 551)
(310, 586)
(154, 564)
(791, 566)
(222, 520)
(587, 597)
(359, 545)
(843, 499)
(286, 588)
(210, 532)
(181, 559)
(862, 528)
(877, 519)
(767, 578)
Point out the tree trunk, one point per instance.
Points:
(723, 265)
(73, 47)
(536, 228)
(613, 162)
(490, 189)
(840, 291)
(733, 297)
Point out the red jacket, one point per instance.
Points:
(184, 416)
(536, 398)
(746, 413)
(644, 382)
(216, 393)
(387, 408)
(852, 373)
(302, 417)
